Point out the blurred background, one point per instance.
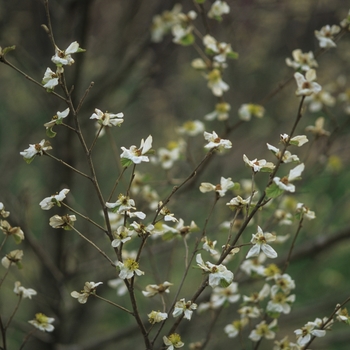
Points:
(156, 88)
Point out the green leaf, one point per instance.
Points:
(28, 161)
(8, 49)
(233, 55)
(126, 162)
(50, 133)
(224, 283)
(200, 1)
(273, 191)
(187, 40)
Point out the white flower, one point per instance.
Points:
(234, 328)
(8, 230)
(215, 83)
(34, 149)
(48, 202)
(209, 245)
(180, 228)
(24, 292)
(258, 297)
(303, 61)
(304, 334)
(137, 155)
(123, 204)
(260, 240)
(306, 85)
(305, 211)
(14, 257)
(167, 157)
(258, 165)
(119, 285)
(182, 35)
(326, 35)
(50, 79)
(43, 322)
(107, 119)
(173, 341)
(220, 113)
(141, 229)
(262, 330)
(280, 302)
(285, 183)
(296, 140)
(249, 312)
(153, 289)
(222, 295)
(317, 129)
(287, 156)
(122, 235)
(157, 316)
(63, 57)
(249, 110)
(218, 274)
(191, 128)
(183, 307)
(3, 212)
(214, 141)
(89, 288)
(221, 188)
(238, 202)
(317, 101)
(218, 8)
(219, 50)
(66, 221)
(57, 119)
(128, 268)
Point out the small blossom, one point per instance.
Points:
(119, 285)
(287, 156)
(180, 228)
(248, 312)
(141, 229)
(3, 212)
(260, 240)
(218, 274)
(320, 99)
(214, 141)
(209, 246)
(220, 51)
(191, 128)
(8, 230)
(167, 157)
(304, 334)
(258, 165)
(182, 34)
(234, 328)
(43, 322)
(284, 344)
(326, 35)
(168, 216)
(198, 64)
(305, 211)
(343, 315)
(249, 110)
(14, 257)
(56, 119)
(262, 330)
(218, 8)
(107, 119)
(183, 307)
(123, 204)
(49, 202)
(50, 79)
(173, 341)
(157, 316)
(63, 57)
(24, 292)
(221, 188)
(222, 295)
(285, 183)
(137, 155)
(153, 289)
(128, 268)
(66, 221)
(254, 266)
(121, 236)
(317, 129)
(89, 288)
(220, 113)
(302, 61)
(280, 302)
(345, 23)
(296, 140)
(215, 83)
(34, 149)
(238, 203)
(306, 85)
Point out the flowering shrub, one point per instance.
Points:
(184, 273)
